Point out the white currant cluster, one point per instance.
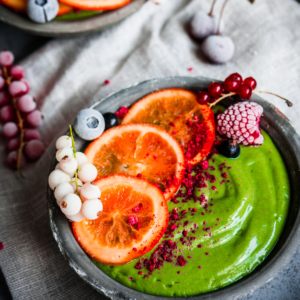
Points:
(71, 181)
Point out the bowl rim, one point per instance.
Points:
(275, 123)
(59, 28)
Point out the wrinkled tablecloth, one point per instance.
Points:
(68, 74)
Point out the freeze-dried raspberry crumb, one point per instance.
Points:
(121, 113)
(138, 207)
(132, 220)
(139, 175)
(106, 81)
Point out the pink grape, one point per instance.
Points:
(4, 97)
(16, 72)
(2, 82)
(10, 130)
(12, 159)
(13, 144)
(26, 103)
(6, 58)
(17, 88)
(7, 113)
(34, 149)
(34, 118)
(27, 84)
(31, 134)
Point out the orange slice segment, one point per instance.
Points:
(111, 239)
(178, 111)
(96, 4)
(140, 150)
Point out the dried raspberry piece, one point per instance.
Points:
(122, 112)
(241, 123)
(132, 220)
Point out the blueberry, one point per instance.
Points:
(110, 119)
(230, 149)
(42, 11)
(202, 25)
(218, 49)
(89, 124)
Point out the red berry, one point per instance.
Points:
(231, 84)
(251, 82)
(203, 97)
(12, 159)
(215, 89)
(237, 77)
(244, 91)
(6, 58)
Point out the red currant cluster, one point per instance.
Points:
(233, 85)
(18, 114)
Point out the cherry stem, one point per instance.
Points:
(221, 14)
(212, 8)
(288, 102)
(221, 98)
(20, 124)
(74, 153)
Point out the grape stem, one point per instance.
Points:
(212, 8)
(74, 153)
(221, 15)
(20, 123)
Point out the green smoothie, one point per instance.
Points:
(241, 222)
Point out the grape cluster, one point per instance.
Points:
(72, 182)
(18, 114)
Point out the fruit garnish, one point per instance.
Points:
(96, 4)
(41, 11)
(241, 123)
(229, 148)
(110, 119)
(144, 149)
(178, 111)
(121, 233)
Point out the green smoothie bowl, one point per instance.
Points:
(238, 228)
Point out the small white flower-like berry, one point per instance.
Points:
(73, 184)
(81, 159)
(56, 177)
(92, 209)
(61, 153)
(68, 164)
(90, 191)
(87, 173)
(70, 204)
(62, 190)
(57, 167)
(63, 142)
(76, 218)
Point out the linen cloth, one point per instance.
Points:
(68, 75)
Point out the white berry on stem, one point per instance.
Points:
(63, 142)
(92, 209)
(68, 164)
(70, 204)
(87, 173)
(81, 159)
(62, 190)
(90, 191)
(76, 218)
(61, 153)
(56, 177)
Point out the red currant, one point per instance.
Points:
(237, 77)
(244, 91)
(231, 84)
(251, 82)
(203, 97)
(215, 89)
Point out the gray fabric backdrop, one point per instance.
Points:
(67, 75)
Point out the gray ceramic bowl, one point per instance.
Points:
(69, 28)
(285, 138)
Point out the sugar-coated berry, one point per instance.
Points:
(4, 98)
(230, 149)
(68, 164)
(17, 88)
(61, 153)
(6, 58)
(89, 124)
(16, 72)
(34, 149)
(251, 82)
(34, 118)
(203, 97)
(56, 177)
(26, 83)
(215, 89)
(76, 218)
(231, 84)
(89, 191)
(244, 91)
(12, 159)
(73, 184)
(92, 209)
(31, 134)
(62, 190)
(81, 159)
(63, 142)
(7, 113)
(218, 49)
(87, 173)
(41, 11)
(2, 83)
(70, 204)
(110, 119)
(13, 144)
(10, 130)
(26, 103)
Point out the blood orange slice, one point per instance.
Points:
(140, 150)
(178, 111)
(96, 4)
(113, 238)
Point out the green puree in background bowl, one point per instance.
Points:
(246, 216)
